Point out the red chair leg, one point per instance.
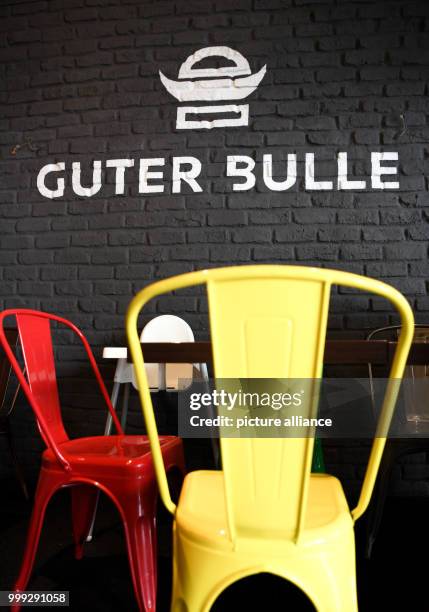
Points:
(45, 489)
(140, 533)
(84, 498)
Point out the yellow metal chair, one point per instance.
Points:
(265, 511)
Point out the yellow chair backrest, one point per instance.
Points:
(269, 322)
(260, 329)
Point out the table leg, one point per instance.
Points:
(114, 400)
(125, 401)
(162, 377)
(107, 430)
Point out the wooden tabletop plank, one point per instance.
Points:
(177, 352)
(337, 352)
(354, 352)
(418, 355)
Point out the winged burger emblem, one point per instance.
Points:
(232, 82)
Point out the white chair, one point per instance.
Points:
(166, 377)
(161, 376)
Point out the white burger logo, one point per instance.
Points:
(232, 82)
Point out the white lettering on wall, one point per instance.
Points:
(43, 173)
(145, 174)
(246, 171)
(120, 165)
(377, 170)
(290, 173)
(343, 181)
(310, 183)
(96, 180)
(188, 176)
(152, 177)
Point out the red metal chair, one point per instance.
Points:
(120, 466)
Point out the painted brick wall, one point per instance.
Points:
(80, 83)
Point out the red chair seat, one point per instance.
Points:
(111, 452)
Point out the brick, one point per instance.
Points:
(405, 89)
(87, 145)
(405, 251)
(52, 241)
(315, 123)
(72, 256)
(82, 74)
(32, 225)
(399, 215)
(385, 269)
(421, 232)
(95, 59)
(127, 237)
(336, 43)
(25, 36)
(329, 137)
(251, 235)
(295, 233)
(46, 108)
(227, 217)
(153, 40)
(74, 131)
(95, 89)
(314, 29)
(314, 215)
(197, 235)
(339, 234)
(335, 74)
(166, 236)
(292, 75)
(228, 253)
(16, 242)
(112, 287)
(21, 273)
(94, 30)
(89, 239)
(383, 234)
(75, 288)
(34, 288)
(82, 14)
(108, 256)
(272, 124)
(317, 252)
(95, 272)
(59, 273)
(361, 251)
(232, 5)
(58, 34)
(97, 305)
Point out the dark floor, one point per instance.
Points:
(396, 578)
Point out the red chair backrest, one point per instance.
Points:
(36, 343)
(40, 382)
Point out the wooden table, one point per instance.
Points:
(339, 352)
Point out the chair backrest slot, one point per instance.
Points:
(36, 343)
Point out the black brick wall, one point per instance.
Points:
(80, 83)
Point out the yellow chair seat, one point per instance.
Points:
(202, 513)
